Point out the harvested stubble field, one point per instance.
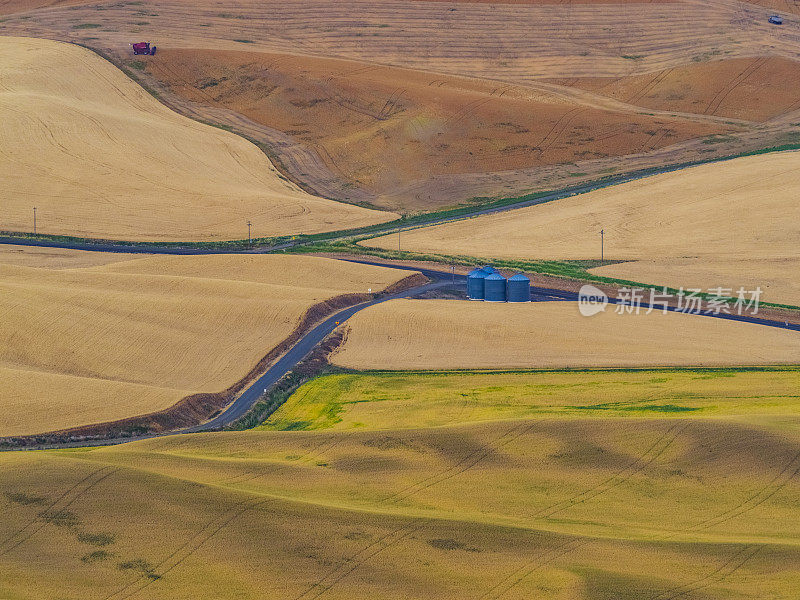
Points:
(453, 334)
(546, 508)
(58, 258)
(736, 222)
(99, 157)
(9, 7)
(100, 343)
(442, 121)
(777, 277)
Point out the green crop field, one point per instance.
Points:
(385, 400)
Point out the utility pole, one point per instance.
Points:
(34, 220)
(602, 246)
(398, 240)
(249, 240)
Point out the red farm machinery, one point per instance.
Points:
(144, 48)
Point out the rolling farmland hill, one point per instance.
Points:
(552, 508)
(415, 105)
(733, 223)
(447, 334)
(99, 157)
(435, 125)
(429, 448)
(134, 336)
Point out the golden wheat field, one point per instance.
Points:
(99, 157)
(736, 220)
(777, 277)
(57, 258)
(99, 343)
(587, 509)
(448, 334)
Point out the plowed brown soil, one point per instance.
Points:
(743, 88)
(384, 127)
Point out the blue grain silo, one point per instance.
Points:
(494, 288)
(475, 284)
(518, 288)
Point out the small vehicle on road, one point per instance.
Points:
(776, 20)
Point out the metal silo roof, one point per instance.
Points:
(494, 288)
(475, 284)
(518, 288)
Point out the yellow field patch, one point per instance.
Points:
(134, 336)
(447, 334)
(99, 157)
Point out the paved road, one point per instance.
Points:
(286, 363)
(297, 353)
(314, 337)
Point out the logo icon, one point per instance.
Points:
(591, 300)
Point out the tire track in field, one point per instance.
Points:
(60, 504)
(775, 485)
(650, 455)
(653, 452)
(733, 564)
(655, 82)
(720, 96)
(192, 545)
(338, 573)
(653, 143)
(472, 106)
(558, 129)
(388, 109)
(316, 451)
(511, 581)
(466, 463)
